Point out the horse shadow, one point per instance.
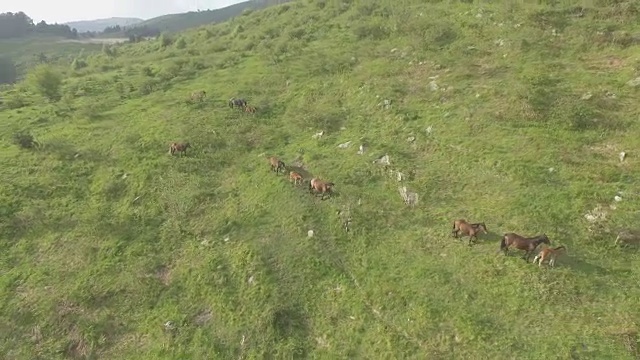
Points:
(306, 175)
(581, 265)
(490, 237)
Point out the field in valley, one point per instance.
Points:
(512, 115)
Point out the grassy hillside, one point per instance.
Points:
(512, 115)
(100, 24)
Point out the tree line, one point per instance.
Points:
(16, 25)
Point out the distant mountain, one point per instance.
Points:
(101, 24)
(179, 22)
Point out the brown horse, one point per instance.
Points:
(549, 253)
(179, 147)
(250, 109)
(276, 164)
(295, 177)
(522, 243)
(320, 186)
(471, 230)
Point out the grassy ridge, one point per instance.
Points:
(105, 237)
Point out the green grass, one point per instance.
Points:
(94, 263)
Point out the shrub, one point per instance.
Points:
(181, 43)
(25, 140)
(78, 64)
(46, 82)
(165, 40)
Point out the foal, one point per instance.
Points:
(522, 243)
(549, 253)
(276, 164)
(471, 230)
(320, 186)
(295, 177)
(250, 109)
(179, 147)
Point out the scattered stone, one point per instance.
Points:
(251, 280)
(169, 325)
(499, 42)
(361, 150)
(552, 169)
(344, 145)
(318, 135)
(628, 236)
(310, 233)
(226, 239)
(429, 129)
(587, 96)
(617, 198)
(399, 176)
(384, 160)
(634, 82)
(622, 156)
(203, 318)
(433, 86)
(411, 139)
(597, 214)
(409, 198)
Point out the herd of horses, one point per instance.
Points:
(509, 240)
(325, 188)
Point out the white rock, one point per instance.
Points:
(310, 233)
(622, 156)
(344, 145)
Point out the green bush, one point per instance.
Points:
(46, 81)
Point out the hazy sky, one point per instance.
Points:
(70, 10)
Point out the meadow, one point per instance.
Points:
(514, 115)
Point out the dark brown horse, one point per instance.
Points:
(522, 243)
(320, 186)
(239, 103)
(179, 147)
(471, 230)
(276, 164)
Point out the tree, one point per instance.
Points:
(15, 25)
(8, 72)
(46, 81)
